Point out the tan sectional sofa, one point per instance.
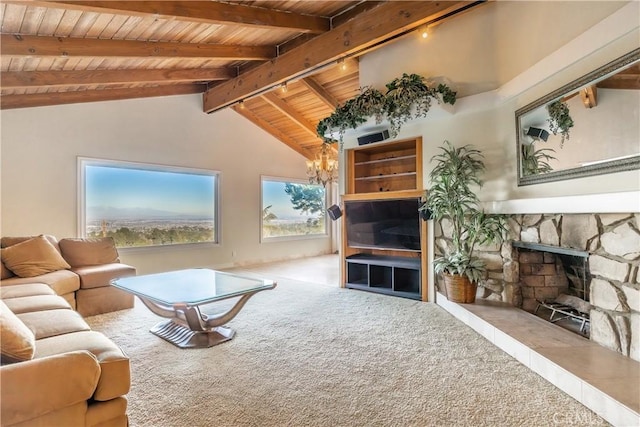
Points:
(79, 270)
(55, 370)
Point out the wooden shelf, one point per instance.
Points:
(390, 176)
(388, 159)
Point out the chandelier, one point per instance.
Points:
(324, 168)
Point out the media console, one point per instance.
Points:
(393, 275)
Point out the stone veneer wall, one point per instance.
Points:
(613, 243)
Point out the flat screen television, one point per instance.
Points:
(383, 224)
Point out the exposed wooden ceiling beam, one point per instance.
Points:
(320, 92)
(273, 131)
(282, 106)
(589, 96)
(629, 78)
(57, 98)
(208, 12)
(354, 12)
(25, 79)
(372, 28)
(24, 45)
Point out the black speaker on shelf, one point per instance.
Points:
(538, 133)
(334, 212)
(426, 214)
(373, 137)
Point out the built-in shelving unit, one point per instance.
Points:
(385, 167)
(384, 171)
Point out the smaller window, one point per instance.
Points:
(147, 205)
(292, 209)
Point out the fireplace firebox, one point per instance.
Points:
(555, 284)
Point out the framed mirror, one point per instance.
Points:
(590, 126)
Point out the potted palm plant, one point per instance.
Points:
(451, 198)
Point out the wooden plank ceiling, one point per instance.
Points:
(284, 65)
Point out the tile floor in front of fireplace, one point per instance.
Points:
(603, 380)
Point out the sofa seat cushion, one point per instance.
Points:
(96, 276)
(17, 342)
(26, 290)
(36, 303)
(62, 281)
(33, 257)
(49, 323)
(115, 379)
(82, 252)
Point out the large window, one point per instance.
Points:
(292, 209)
(147, 205)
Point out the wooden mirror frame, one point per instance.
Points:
(604, 167)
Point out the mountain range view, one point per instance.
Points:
(110, 213)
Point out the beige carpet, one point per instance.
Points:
(314, 355)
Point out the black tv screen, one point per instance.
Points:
(383, 224)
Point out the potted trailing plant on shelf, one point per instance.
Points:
(560, 120)
(404, 95)
(451, 198)
(407, 97)
(354, 112)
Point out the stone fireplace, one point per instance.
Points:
(606, 245)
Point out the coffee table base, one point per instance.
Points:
(183, 337)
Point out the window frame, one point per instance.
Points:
(82, 162)
(264, 239)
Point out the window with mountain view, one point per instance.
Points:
(147, 205)
(292, 209)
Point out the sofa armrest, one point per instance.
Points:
(36, 387)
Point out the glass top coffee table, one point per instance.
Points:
(178, 295)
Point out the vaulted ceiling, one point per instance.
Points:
(284, 65)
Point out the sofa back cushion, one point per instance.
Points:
(33, 257)
(84, 252)
(5, 273)
(5, 242)
(16, 340)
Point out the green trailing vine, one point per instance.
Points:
(406, 98)
(560, 120)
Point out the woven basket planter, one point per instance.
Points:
(459, 288)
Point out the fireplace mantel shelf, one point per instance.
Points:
(619, 202)
(549, 248)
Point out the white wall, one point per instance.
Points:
(506, 55)
(40, 146)
(487, 46)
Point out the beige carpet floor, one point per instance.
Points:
(314, 355)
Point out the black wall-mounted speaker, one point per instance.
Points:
(373, 137)
(334, 212)
(538, 133)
